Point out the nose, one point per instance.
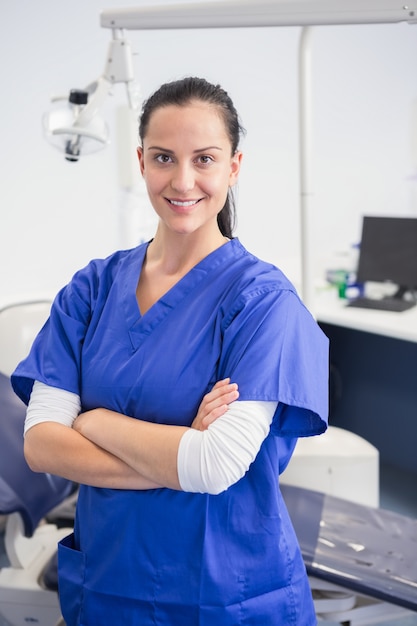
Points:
(183, 178)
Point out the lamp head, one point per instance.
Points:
(72, 128)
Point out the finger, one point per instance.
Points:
(213, 416)
(221, 388)
(217, 410)
(221, 383)
(223, 395)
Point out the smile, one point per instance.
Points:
(184, 204)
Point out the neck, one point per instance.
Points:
(177, 253)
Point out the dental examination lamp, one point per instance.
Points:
(80, 130)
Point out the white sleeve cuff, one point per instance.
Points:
(50, 404)
(212, 460)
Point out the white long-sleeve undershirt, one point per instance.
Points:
(208, 461)
(50, 404)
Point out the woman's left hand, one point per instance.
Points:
(215, 403)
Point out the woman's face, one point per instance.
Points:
(187, 165)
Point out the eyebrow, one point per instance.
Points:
(161, 149)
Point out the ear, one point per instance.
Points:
(141, 160)
(235, 167)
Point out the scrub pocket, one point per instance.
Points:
(71, 570)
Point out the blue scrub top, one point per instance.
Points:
(163, 557)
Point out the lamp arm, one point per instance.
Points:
(256, 13)
(119, 63)
(95, 101)
(118, 69)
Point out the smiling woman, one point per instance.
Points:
(195, 367)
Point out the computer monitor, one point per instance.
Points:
(388, 252)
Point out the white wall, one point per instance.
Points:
(56, 215)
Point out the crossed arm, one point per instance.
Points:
(108, 449)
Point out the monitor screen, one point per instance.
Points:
(388, 251)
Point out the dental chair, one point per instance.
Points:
(361, 560)
(28, 585)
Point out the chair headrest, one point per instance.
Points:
(31, 494)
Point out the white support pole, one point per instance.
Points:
(305, 141)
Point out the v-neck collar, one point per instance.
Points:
(141, 325)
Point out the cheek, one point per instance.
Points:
(217, 184)
(154, 180)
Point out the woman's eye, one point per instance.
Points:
(163, 158)
(205, 159)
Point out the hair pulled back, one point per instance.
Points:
(184, 91)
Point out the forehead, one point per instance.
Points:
(195, 119)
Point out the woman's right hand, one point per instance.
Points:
(215, 403)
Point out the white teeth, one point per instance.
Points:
(189, 203)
